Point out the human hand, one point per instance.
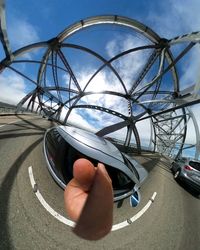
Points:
(89, 200)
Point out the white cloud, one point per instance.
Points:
(129, 65)
(94, 119)
(104, 80)
(144, 129)
(77, 120)
(12, 88)
(175, 18)
(22, 33)
(188, 13)
(190, 68)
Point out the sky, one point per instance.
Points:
(33, 21)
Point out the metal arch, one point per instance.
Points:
(166, 136)
(3, 31)
(79, 96)
(64, 60)
(145, 70)
(44, 63)
(49, 51)
(118, 20)
(123, 21)
(7, 61)
(173, 100)
(114, 58)
(43, 66)
(38, 87)
(156, 78)
(132, 129)
(108, 63)
(20, 104)
(100, 108)
(105, 63)
(55, 44)
(192, 37)
(197, 133)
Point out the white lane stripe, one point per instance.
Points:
(136, 216)
(71, 223)
(13, 122)
(7, 124)
(45, 204)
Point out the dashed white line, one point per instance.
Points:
(7, 124)
(13, 122)
(45, 204)
(136, 216)
(71, 223)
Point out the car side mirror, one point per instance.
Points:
(135, 198)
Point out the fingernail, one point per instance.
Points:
(102, 168)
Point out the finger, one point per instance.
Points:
(84, 172)
(104, 171)
(96, 218)
(76, 191)
(74, 199)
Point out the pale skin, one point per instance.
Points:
(89, 200)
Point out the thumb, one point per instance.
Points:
(96, 218)
(84, 172)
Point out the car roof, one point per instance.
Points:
(95, 147)
(92, 140)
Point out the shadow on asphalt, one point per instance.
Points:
(5, 190)
(187, 188)
(149, 162)
(7, 182)
(22, 127)
(30, 123)
(8, 136)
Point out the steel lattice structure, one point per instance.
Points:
(153, 94)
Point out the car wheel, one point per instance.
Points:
(177, 173)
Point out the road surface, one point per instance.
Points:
(172, 220)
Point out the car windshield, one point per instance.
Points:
(195, 165)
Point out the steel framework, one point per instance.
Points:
(154, 93)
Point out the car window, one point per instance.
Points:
(52, 142)
(195, 165)
(119, 179)
(57, 152)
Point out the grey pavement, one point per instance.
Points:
(171, 222)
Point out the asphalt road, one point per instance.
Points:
(171, 222)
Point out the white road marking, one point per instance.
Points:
(45, 204)
(13, 122)
(136, 216)
(71, 223)
(7, 124)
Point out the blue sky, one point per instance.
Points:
(56, 15)
(39, 20)
(46, 18)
